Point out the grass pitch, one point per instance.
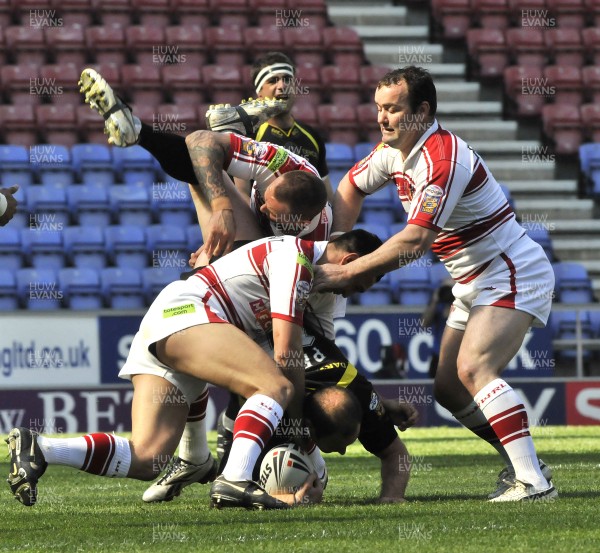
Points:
(446, 512)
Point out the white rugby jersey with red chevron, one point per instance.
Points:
(263, 162)
(266, 279)
(445, 186)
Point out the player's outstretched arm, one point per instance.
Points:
(395, 472)
(208, 152)
(347, 203)
(403, 415)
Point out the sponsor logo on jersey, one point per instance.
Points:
(301, 259)
(431, 199)
(376, 404)
(280, 157)
(179, 310)
(262, 314)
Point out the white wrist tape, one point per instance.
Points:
(3, 204)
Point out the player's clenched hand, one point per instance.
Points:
(403, 415)
(221, 233)
(198, 258)
(310, 492)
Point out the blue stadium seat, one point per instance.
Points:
(167, 246)
(93, 163)
(508, 195)
(14, 166)
(564, 323)
(438, 274)
(396, 228)
(53, 164)
(126, 246)
(572, 283)
(382, 199)
(8, 290)
(44, 248)
(194, 238)
(538, 232)
(339, 156)
(10, 248)
(411, 284)
(362, 150)
(379, 294)
(122, 288)
(172, 203)
(38, 289)
(589, 162)
(48, 208)
(135, 165)
(85, 247)
(131, 204)
(89, 205)
(81, 288)
(154, 279)
(336, 177)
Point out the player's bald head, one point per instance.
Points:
(333, 410)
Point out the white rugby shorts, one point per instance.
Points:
(520, 278)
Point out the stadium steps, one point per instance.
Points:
(557, 209)
(454, 92)
(471, 131)
(416, 35)
(593, 268)
(526, 189)
(570, 249)
(506, 170)
(368, 15)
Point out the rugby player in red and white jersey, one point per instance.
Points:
(206, 329)
(504, 281)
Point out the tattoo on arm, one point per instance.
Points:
(208, 158)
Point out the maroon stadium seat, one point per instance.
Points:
(3, 58)
(67, 44)
(370, 75)
(193, 12)
(591, 41)
(313, 13)
(566, 46)
(568, 83)
(18, 126)
(27, 45)
(492, 14)
(591, 83)
(226, 45)
(562, 124)
(188, 40)
(453, 17)
(153, 12)
(343, 84)
(592, 8)
(590, 115)
(224, 84)
(340, 122)
(183, 82)
(178, 119)
(107, 44)
(146, 44)
(232, 12)
(527, 89)
(5, 14)
(305, 45)
(268, 12)
(90, 125)
(529, 13)
(568, 13)
(488, 51)
(344, 46)
(143, 84)
(309, 86)
(260, 40)
(57, 124)
(64, 77)
(114, 12)
(367, 121)
(527, 46)
(306, 113)
(75, 12)
(16, 82)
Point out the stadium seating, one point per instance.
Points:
(52, 163)
(226, 46)
(57, 123)
(223, 83)
(232, 13)
(527, 46)
(194, 237)
(135, 165)
(186, 40)
(130, 204)
(343, 84)
(379, 207)
(452, 18)
(143, 84)
(85, 247)
(66, 44)
(172, 203)
(153, 12)
(93, 162)
(167, 246)
(344, 46)
(591, 83)
(362, 150)
(340, 122)
(567, 81)
(378, 294)
(339, 156)
(91, 127)
(193, 12)
(44, 248)
(367, 121)
(154, 279)
(115, 13)
(526, 89)
(38, 289)
(10, 249)
(107, 45)
(539, 232)
(487, 48)
(591, 41)
(126, 246)
(572, 283)
(8, 290)
(491, 14)
(593, 10)
(15, 167)
(411, 284)
(590, 116)
(27, 44)
(76, 12)
(48, 207)
(89, 205)
(568, 13)
(58, 83)
(260, 40)
(145, 44)
(183, 82)
(305, 44)
(562, 124)
(81, 288)
(122, 288)
(309, 86)
(438, 274)
(565, 46)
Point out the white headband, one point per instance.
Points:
(266, 72)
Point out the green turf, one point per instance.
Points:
(447, 511)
